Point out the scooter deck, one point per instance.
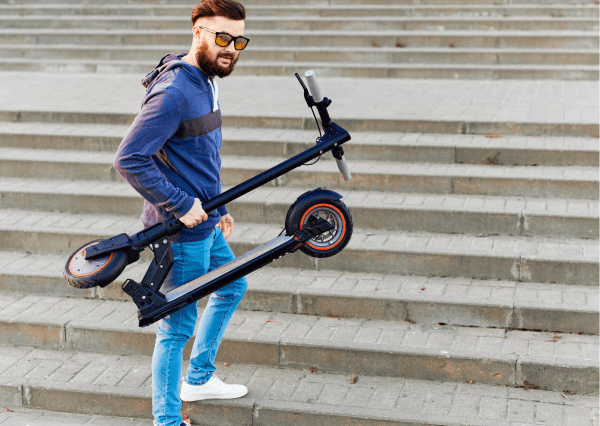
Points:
(154, 306)
(227, 267)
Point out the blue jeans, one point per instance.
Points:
(192, 259)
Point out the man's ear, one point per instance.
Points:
(196, 31)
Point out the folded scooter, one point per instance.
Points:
(317, 223)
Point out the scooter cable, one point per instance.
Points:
(320, 135)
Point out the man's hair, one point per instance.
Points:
(227, 8)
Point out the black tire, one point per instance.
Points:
(81, 273)
(334, 211)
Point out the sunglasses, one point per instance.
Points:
(223, 39)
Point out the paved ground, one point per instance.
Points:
(541, 101)
(305, 390)
(19, 416)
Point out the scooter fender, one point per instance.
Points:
(319, 193)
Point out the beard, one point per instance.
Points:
(210, 66)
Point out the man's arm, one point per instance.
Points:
(158, 121)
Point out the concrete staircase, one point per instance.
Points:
(469, 292)
(470, 282)
(426, 39)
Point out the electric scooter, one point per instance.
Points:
(317, 223)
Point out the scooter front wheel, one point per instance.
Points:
(81, 273)
(333, 211)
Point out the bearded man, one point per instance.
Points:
(170, 155)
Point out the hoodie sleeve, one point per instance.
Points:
(158, 120)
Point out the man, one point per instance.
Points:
(170, 155)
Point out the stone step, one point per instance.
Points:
(520, 258)
(297, 38)
(543, 181)
(578, 127)
(464, 107)
(252, 11)
(451, 214)
(419, 299)
(365, 57)
(372, 146)
(552, 361)
(311, 23)
(20, 415)
(74, 381)
(361, 70)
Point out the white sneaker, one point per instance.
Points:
(213, 389)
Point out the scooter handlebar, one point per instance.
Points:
(343, 167)
(313, 86)
(315, 91)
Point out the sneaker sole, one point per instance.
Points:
(203, 397)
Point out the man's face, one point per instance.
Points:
(214, 59)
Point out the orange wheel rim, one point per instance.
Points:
(82, 251)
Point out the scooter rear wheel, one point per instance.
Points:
(333, 211)
(81, 273)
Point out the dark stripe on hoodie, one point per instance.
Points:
(200, 125)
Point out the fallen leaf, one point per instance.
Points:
(330, 315)
(313, 370)
(269, 320)
(399, 45)
(353, 380)
(226, 364)
(493, 136)
(554, 338)
(528, 386)
(8, 409)
(186, 419)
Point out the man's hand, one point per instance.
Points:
(195, 215)
(226, 225)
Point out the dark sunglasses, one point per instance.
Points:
(223, 39)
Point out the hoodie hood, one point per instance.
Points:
(167, 62)
(170, 62)
(196, 75)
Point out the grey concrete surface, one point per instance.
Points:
(11, 415)
(48, 379)
(337, 345)
(527, 259)
(567, 102)
(555, 307)
(436, 213)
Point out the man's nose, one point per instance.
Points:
(230, 48)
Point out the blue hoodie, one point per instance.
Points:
(170, 154)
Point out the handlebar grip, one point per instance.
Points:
(343, 167)
(315, 91)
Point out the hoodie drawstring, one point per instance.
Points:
(215, 92)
